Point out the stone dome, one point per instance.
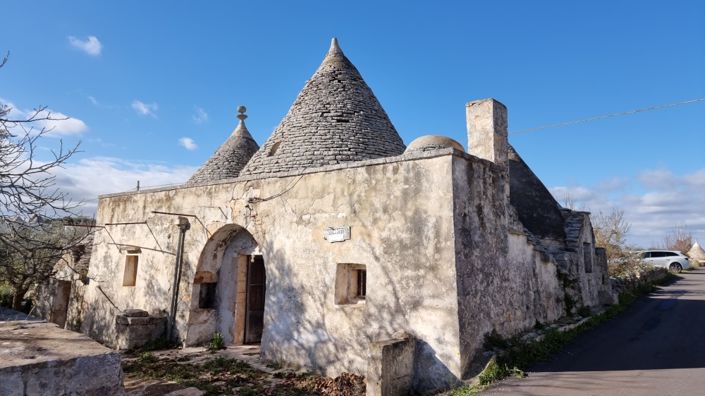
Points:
(335, 119)
(229, 159)
(433, 142)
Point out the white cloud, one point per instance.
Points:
(145, 109)
(660, 201)
(90, 45)
(201, 116)
(188, 143)
(56, 123)
(87, 178)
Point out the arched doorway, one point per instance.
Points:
(229, 289)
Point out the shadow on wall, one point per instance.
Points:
(218, 265)
(305, 328)
(99, 319)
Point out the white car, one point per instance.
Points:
(672, 260)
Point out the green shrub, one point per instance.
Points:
(6, 292)
(216, 343)
(147, 358)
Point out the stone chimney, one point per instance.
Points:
(487, 130)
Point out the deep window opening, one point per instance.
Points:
(274, 149)
(129, 277)
(350, 284)
(206, 298)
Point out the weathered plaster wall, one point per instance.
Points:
(156, 241)
(504, 283)
(46, 297)
(401, 215)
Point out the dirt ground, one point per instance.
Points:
(232, 371)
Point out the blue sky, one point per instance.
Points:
(158, 72)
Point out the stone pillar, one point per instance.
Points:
(487, 130)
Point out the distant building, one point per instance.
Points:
(697, 254)
(333, 237)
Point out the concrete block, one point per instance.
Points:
(390, 367)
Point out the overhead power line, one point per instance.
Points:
(608, 115)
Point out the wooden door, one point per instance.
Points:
(254, 317)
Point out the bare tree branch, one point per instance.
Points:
(34, 234)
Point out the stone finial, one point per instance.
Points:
(241, 129)
(334, 47)
(241, 110)
(229, 159)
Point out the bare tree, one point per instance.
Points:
(32, 209)
(679, 239)
(611, 233)
(30, 256)
(568, 201)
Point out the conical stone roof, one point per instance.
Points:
(336, 118)
(696, 252)
(229, 159)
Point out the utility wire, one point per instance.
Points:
(608, 115)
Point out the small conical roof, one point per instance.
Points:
(229, 159)
(336, 118)
(696, 252)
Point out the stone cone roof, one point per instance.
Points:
(229, 159)
(696, 252)
(335, 119)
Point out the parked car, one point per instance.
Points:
(672, 260)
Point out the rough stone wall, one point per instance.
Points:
(505, 282)
(587, 285)
(538, 211)
(400, 213)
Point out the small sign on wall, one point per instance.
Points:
(337, 234)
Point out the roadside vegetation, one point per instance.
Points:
(515, 355)
(630, 279)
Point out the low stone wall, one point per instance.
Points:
(40, 359)
(637, 279)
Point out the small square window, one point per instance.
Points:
(350, 284)
(206, 299)
(129, 277)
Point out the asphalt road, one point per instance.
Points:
(656, 347)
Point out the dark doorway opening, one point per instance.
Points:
(254, 317)
(60, 305)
